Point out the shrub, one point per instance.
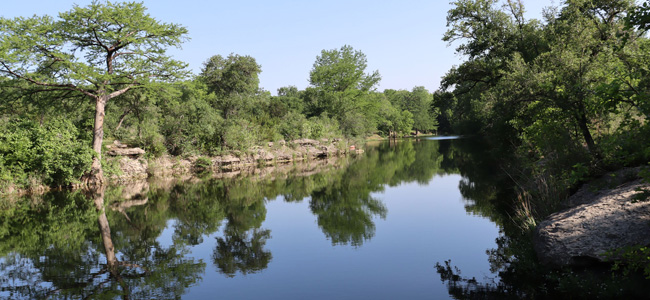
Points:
(292, 127)
(241, 135)
(52, 152)
(202, 164)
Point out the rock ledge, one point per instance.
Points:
(584, 233)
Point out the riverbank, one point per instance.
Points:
(128, 164)
(272, 154)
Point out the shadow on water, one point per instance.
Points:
(514, 261)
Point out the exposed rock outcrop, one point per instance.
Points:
(135, 167)
(584, 233)
(119, 149)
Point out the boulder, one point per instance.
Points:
(583, 234)
(133, 152)
(134, 167)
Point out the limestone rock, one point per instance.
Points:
(117, 144)
(582, 234)
(135, 152)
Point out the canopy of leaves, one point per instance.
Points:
(98, 49)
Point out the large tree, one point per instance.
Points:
(234, 80)
(341, 88)
(340, 70)
(101, 51)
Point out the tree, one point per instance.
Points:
(101, 51)
(235, 74)
(339, 70)
(234, 80)
(418, 103)
(342, 89)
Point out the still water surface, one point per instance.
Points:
(370, 227)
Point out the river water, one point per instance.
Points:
(378, 226)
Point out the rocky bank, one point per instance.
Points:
(134, 166)
(601, 217)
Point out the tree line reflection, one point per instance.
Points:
(106, 243)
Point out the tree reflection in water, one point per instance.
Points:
(83, 262)
(488, 193)
(107, 243)
(242, 252)
(241, 249)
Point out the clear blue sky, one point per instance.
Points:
(401, 39)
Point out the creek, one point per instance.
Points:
(398, 222)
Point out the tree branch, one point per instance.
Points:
(60, 86)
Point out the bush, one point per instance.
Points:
(190, 124)
(202, 164)
(324, 127)
(241, 135)
(292, 127)
(51, 152)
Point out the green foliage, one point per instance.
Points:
(291, 126)
(190, 123)
(578, 174)
(202, 164)
(418, 102)
(74, 47)
(50, 152)
(100, 51)
(338, 70)
(240, 135)
(231, 75)
(222, 109)
(631, 259)
(566, 97)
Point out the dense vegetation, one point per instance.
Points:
(561, 100)
(567, 95)
(95, 73)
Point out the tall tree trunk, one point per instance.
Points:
(96, 175)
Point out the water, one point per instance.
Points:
(371, 227)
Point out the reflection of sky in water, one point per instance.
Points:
(441, 138)
(425, 224)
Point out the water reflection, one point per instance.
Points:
(242, 252)
(113, 243)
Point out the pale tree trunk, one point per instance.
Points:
(96, 175)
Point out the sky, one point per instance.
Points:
(401, 39)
